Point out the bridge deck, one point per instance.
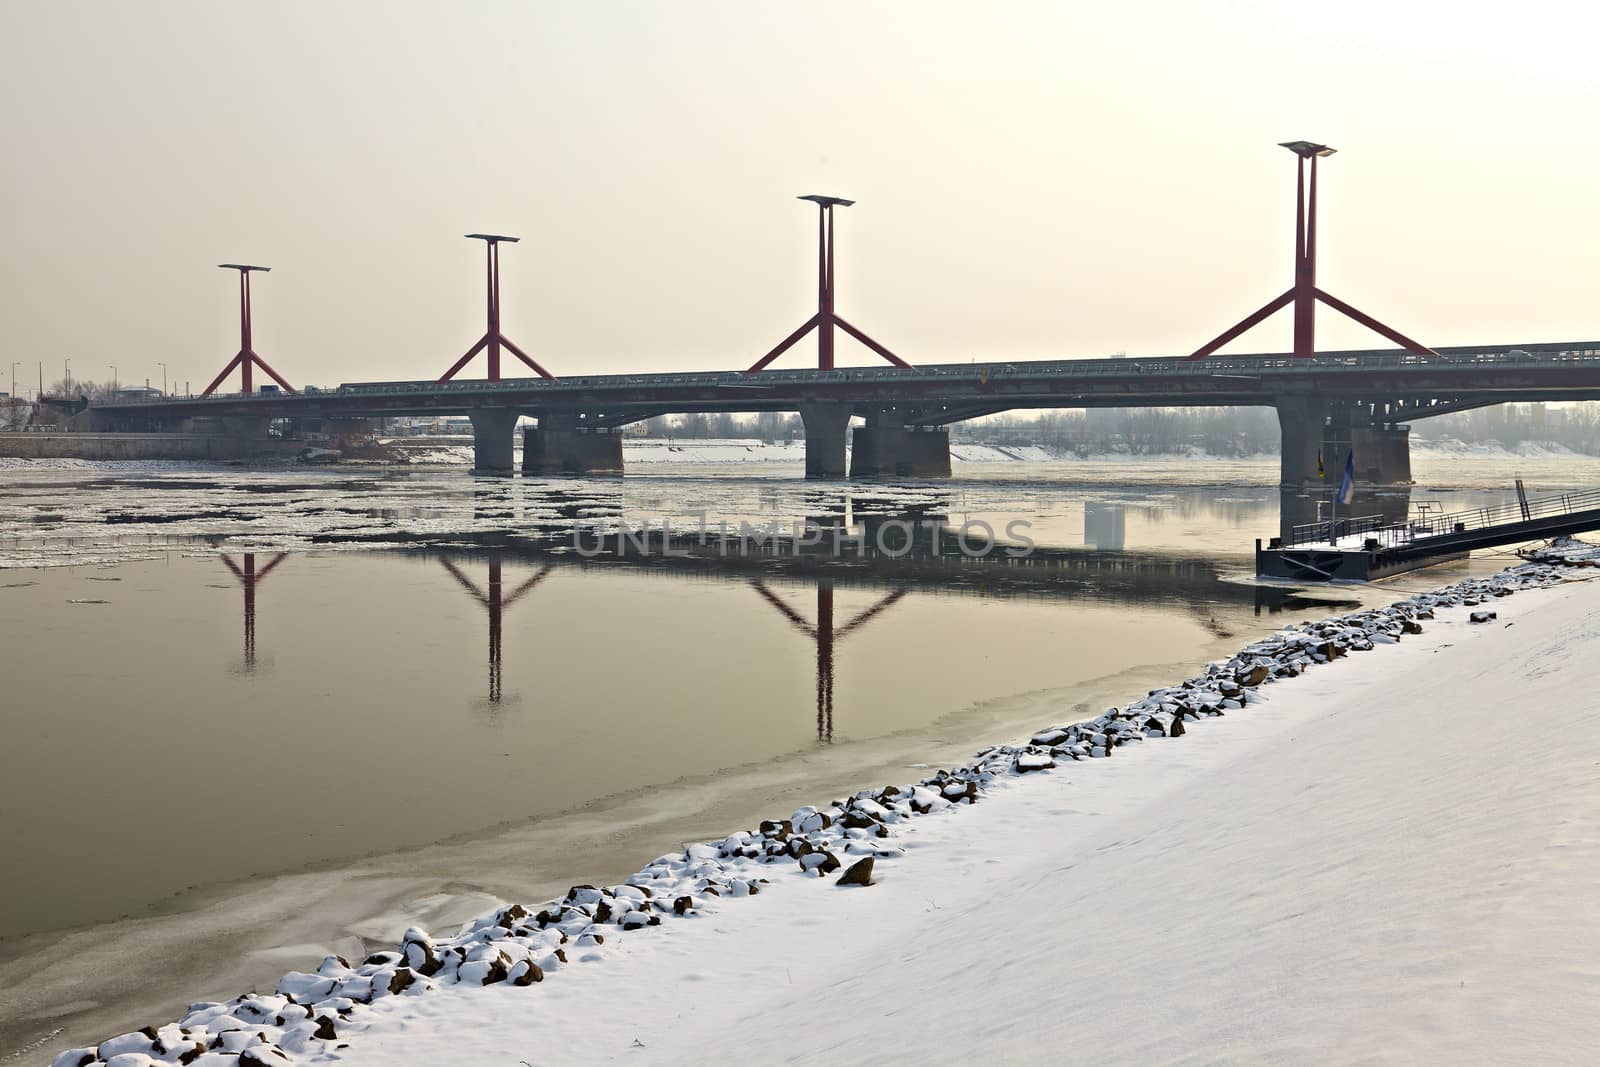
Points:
(1551, 371)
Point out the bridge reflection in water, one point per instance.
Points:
(495, 603)
(1190, 585)
(249, 578)
(826, 637)
(869, 544)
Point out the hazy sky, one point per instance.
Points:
(1034, 179)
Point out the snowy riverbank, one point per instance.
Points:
(1405, 838)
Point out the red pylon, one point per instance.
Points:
(1305, 293)
(492, 338)
(824, 320)
(246, 358)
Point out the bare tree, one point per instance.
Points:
(15, 414)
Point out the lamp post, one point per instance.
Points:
(493, 339)
(14, 367)
(1305, 294)
(825, 320)
(113, 367)
(163, 367)
(246, 358)
(66, 369)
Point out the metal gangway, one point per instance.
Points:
(1430, 534)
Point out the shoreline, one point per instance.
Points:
(512, 941)
(215, 933)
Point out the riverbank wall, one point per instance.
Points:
(125, 446)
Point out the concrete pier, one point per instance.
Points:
(1301, 420)
(885, 450)
(826, 426)
(1383, 454)
(493, 440)
(1312, 426)
(554, 447)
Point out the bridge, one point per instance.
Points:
(1329, 404)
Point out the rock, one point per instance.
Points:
(819, 863)
(525, 973)
(402, 980)
(325, 1029)
(419, 953)
(858, 873)
(1482, 616)
(136, 1042)
(1034, 761)
(682, 905)
(1255, 676)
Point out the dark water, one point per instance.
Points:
(253, 716)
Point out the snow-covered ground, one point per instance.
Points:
(1386, 856)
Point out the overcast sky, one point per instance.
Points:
(1034, 179)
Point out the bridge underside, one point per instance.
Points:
(896, 441)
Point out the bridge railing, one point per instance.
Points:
(1324, 532)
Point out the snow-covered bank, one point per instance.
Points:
(1021, 915)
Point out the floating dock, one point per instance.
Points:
(1366, 548)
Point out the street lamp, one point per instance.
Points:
(1305, 294)
(163, 367)
(113, 367)
(825, 320)
(493, 339)
(246, 358)
(66, 369)
(14, 367)
(1305, 149)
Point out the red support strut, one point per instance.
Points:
(493, 339)
(825, 320)
(246, 359)
(1305, 294)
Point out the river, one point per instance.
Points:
(256, 715)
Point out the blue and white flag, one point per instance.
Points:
(1347, 485)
